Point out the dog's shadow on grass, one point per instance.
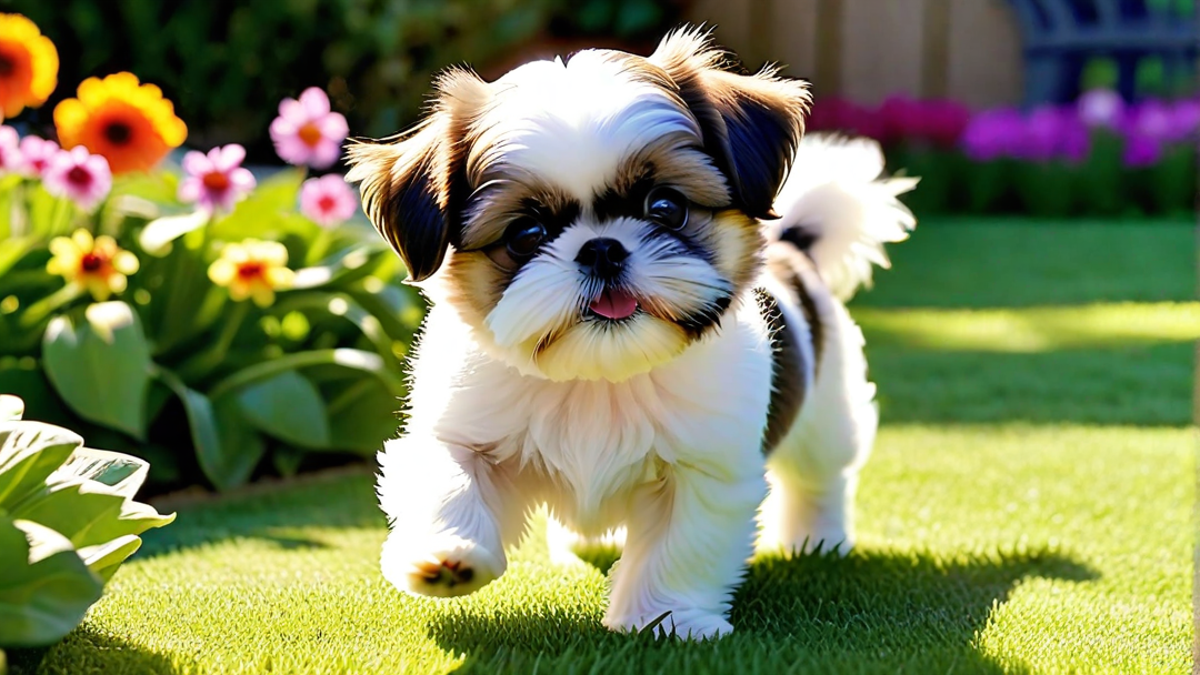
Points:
(872, 611)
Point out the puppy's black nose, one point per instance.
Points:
(602, 258)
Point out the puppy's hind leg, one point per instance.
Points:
(813, 472)
(452, 513)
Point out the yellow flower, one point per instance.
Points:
(131, 124)
(253, 269)
(28, 65)
(98, 265)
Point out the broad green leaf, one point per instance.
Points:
(227, 447)
(242, 447)
(105, 559)
(45, 593)
(29, 453)
(11, 408)
(288, 407)
(158, 234)
(122, 474)
(88, 513)
(362, 415)
(101, 368)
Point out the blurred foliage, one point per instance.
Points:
(226, 64)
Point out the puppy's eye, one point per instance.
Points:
(524, 236)
(667, 207)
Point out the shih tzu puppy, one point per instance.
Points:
(637, 320)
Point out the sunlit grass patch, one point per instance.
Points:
(1032, 329)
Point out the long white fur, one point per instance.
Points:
(624, 432)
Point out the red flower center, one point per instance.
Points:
(6, 66)
(79, 177)
(91, 262)
(326, 203)
(251, 270)
(215, 181)
(310, 134)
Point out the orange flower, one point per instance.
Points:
(28, 65)
(131, 124)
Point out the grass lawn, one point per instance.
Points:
(1027, 510)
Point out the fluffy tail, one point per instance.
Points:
(838, 208)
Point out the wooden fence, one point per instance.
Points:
(867, 49)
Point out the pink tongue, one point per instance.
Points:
(614, 304)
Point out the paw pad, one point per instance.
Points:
(447, 573)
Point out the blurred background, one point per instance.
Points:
(913, 73)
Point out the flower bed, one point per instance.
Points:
(1096, 157)
(218, 323)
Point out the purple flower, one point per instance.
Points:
(1101, 108)
(1151, 118)
(1042, 134)
(216, 181)
(1141, 150)
(307, 132)
(992, 134)
(1185, 119)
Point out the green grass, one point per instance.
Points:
(1027, 510)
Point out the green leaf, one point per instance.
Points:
(227, 447)
(158, 234)
(261, 215)
(46, 588)
(101, 368)
(88, 512)
(29, 453)
(354, 359)
(362, 415)
(288, 407)
(105, 559)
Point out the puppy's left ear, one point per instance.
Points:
(404, 193)
(752, 124)
(409, 187)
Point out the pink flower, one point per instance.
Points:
(1101, 108)
(306, 132)
(216, 181)
(36, 153)
(79, 176)
(10, 152)
(328, 200)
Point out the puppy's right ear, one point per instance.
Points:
(408, 185)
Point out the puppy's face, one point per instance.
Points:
(600, 214)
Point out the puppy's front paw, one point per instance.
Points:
(688, 624)
(444, 568)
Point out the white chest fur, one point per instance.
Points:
(594, 442)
